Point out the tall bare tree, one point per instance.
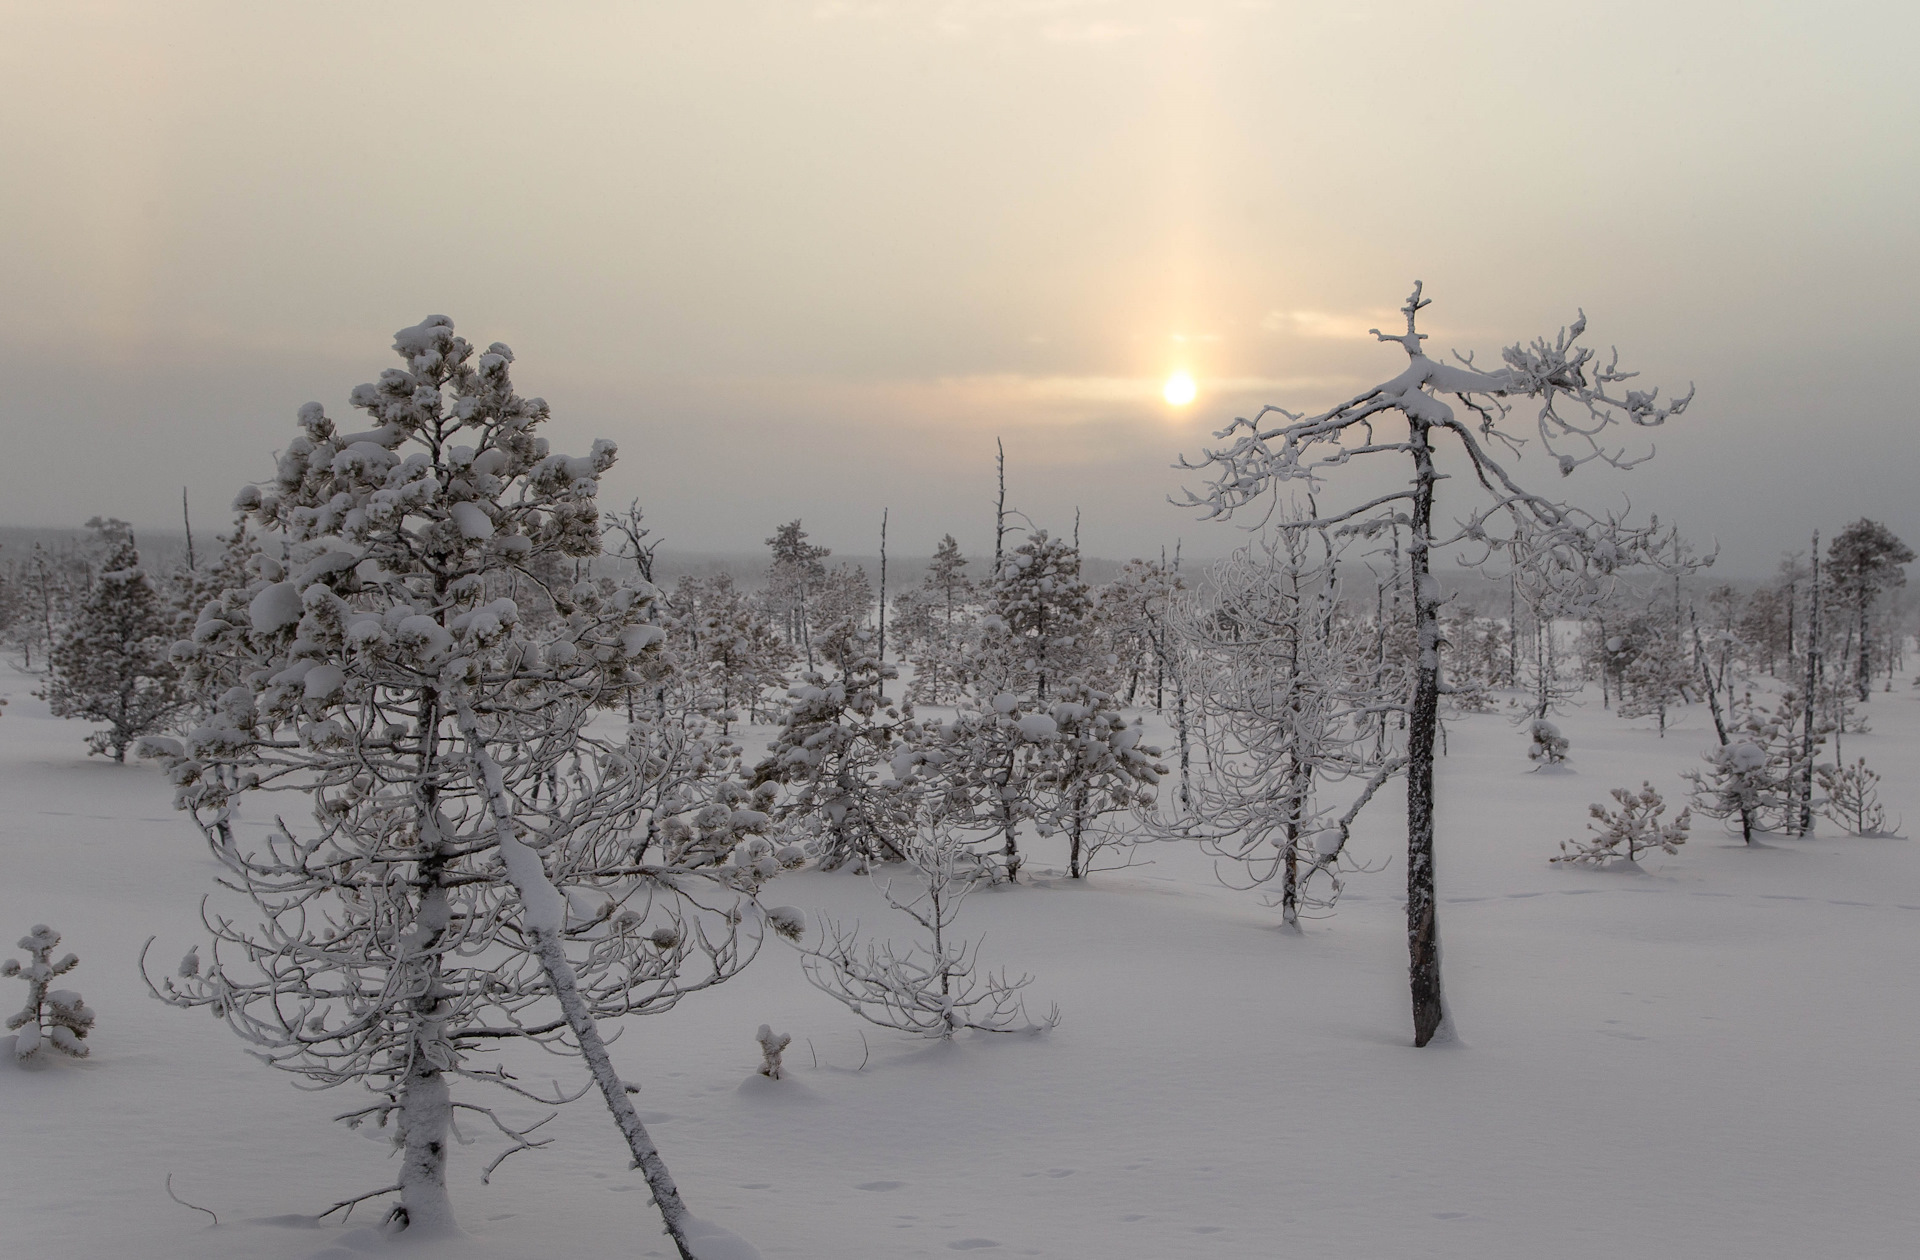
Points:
(1575, 399)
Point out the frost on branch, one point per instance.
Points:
(933, 987)
(1294, 700)
(1436, 416)
(1629, 830)
(52, 1018)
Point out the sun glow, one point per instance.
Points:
(1179, 389)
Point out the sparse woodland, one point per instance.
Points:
(474, 788)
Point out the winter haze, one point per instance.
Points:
(812, 259)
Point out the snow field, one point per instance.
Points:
(1709, 1057)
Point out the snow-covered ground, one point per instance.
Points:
(1710, 1057)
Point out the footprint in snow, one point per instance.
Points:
(880, 1185)
(972, 1244)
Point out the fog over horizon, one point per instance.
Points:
(811, 260)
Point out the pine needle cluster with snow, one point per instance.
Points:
(1628, 831)
(56, 1019)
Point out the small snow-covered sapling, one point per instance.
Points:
(772, 1046)
(1853, 799)
(1624, 833)
(58, 1018)
(1549, 747)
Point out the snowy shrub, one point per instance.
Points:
(931, 988)
(56, 1018)
(1627, 831)
(1853, 798)
(1548, 747)
(772, 1046)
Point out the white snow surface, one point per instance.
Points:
(1708, 1058)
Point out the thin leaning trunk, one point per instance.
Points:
(545, 919)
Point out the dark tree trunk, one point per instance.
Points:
(1811, 700)
(1864, 674)
(1423, 923)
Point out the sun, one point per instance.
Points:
(1179, 389)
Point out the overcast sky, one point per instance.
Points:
(809, 260)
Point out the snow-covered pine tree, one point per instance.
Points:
(56, 1018)
(1863, 560)
(1135, 610)
(984, 773)
(944, 630)
(1291, 700)
(1096, 767)
(946, 579)
(842, 604)
(839, 757)
(744, 655)
(727, 653)
(112, 664)
(1262, 455)
(1752, 776)
(1853, 798)
(479, 868)
(1040, 620)
(1546, 745)
(798, 568)
(1627, 831)
(1661, 674)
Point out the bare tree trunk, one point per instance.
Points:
(1513, 631)
(1864, 673)
(544, 918)
(187, 521)
(1423, 924)
(1000, 505)
(882, 656)
(1805, 788)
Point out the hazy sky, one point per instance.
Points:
(809, 260)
